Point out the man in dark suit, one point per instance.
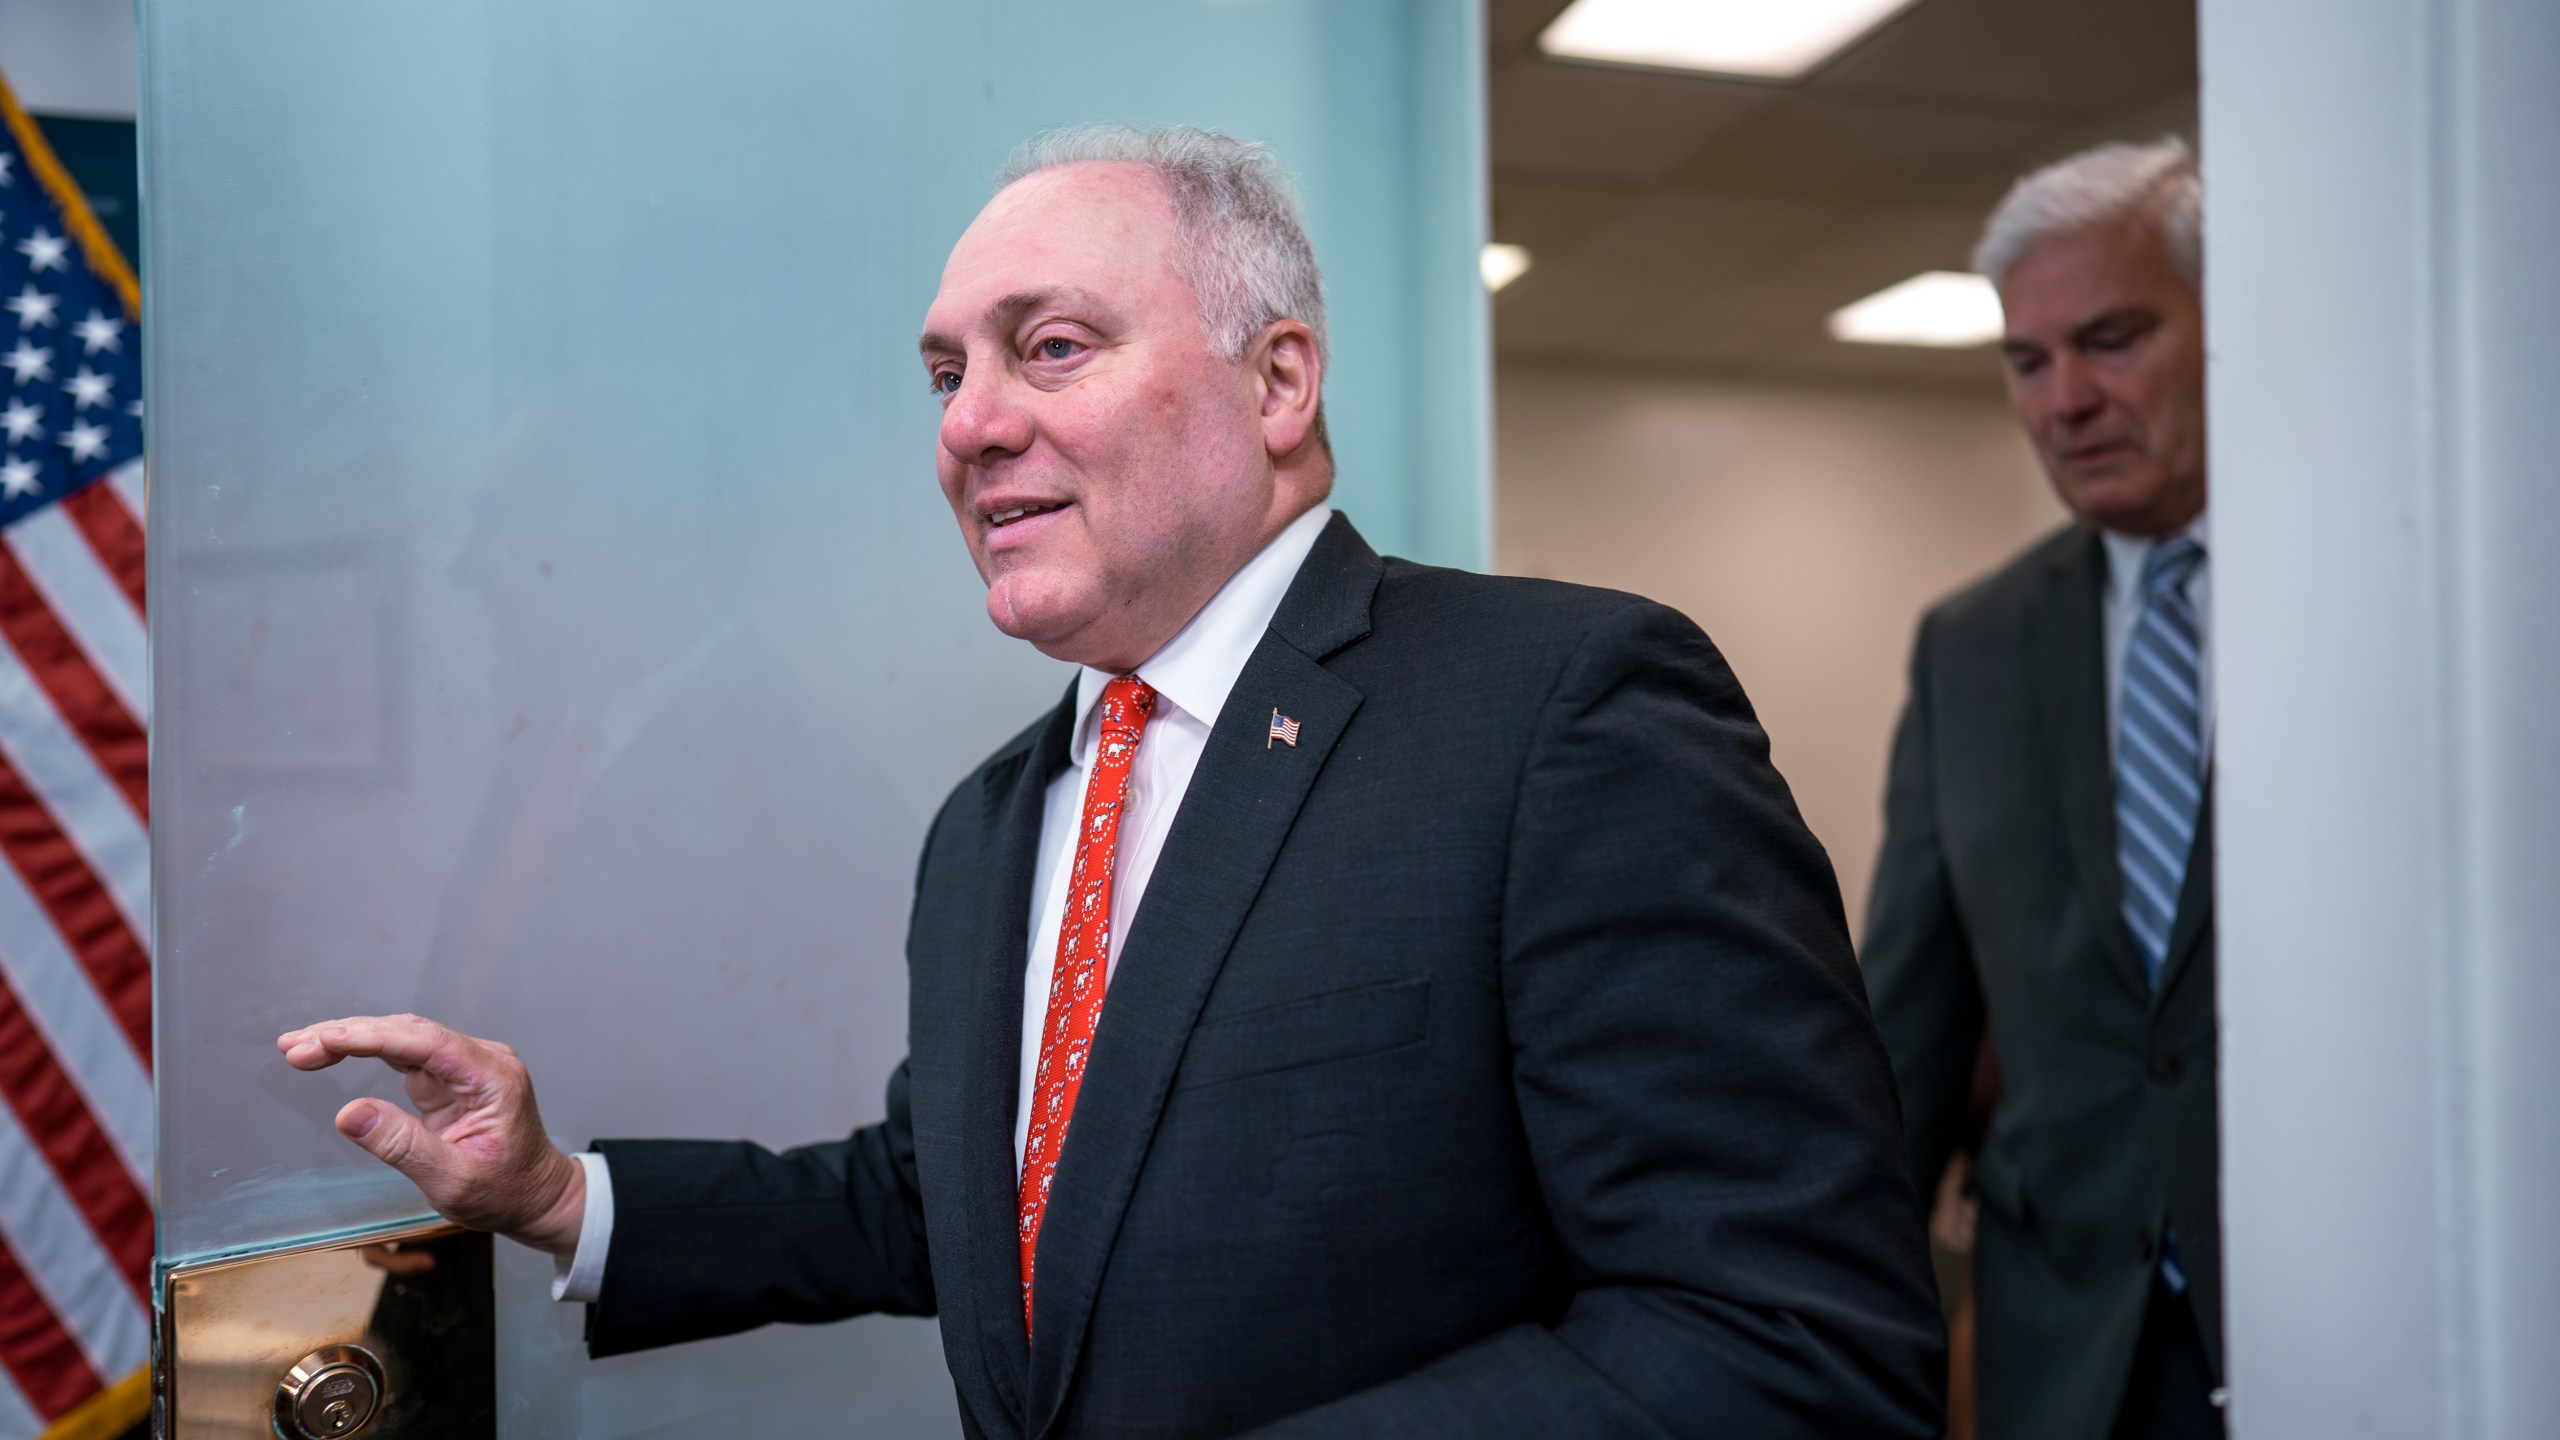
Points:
(2048, 863)
(1376, 1001)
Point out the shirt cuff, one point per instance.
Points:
(579, 1278)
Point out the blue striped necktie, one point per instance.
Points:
(2160, 771)
(2159, 750)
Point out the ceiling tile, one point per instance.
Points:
(1868, 150)
(2067, 59)
(1512, 26)
(1695, 311)
(1700, 236)
(1752, 286)
(1866, 249)
(1547, 217)
(2173, 114)
(1560, 121)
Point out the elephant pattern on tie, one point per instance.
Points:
(1084, 952)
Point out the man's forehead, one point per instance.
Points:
(1087, 230)
(2123, 252)
(1108, 183)
(1101, 210)
(2080, 276)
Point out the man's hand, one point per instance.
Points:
(479, 1154)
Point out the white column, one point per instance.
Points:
(2383, 224)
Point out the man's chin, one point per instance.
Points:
(1036, 620)
(2120, 499)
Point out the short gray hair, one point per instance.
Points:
(1244, 248)
(2098, 187)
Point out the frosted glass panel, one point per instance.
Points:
(557, 627)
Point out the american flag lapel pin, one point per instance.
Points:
(1283, 729)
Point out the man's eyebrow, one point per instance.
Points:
(2135, 317)
(1008, 312)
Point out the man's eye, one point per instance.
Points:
(1056, 348)
(945, 381)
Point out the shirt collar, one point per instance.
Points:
(2127, 554)
(1198, 667)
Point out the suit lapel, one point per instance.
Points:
(2069, 638)
(1016, 804)
(1239, 808)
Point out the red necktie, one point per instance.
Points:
(1084, 955)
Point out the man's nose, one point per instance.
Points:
(2073, 391)
(985, 421)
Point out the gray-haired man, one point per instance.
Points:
(1485, 1056)
(2047, 868)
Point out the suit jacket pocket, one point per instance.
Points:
(1337, 1025)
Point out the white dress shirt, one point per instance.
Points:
(1192, 676)
(2126, 555)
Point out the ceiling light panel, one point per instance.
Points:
(1501, 264)
(1942, 309)
(1765, 39)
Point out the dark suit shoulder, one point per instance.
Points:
(1444, 607)
(1506, 647)
(2002, 597)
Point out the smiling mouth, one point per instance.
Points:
(998, 519)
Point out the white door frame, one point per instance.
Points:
(2382, 207)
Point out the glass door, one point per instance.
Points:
(557, 630)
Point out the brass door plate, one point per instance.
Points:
(388, 1335)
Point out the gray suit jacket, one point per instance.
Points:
(1489, 1063)
(1998, 899)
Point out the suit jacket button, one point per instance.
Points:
(2165, 1069)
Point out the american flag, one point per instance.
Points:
(1283, 729)
(75, 973)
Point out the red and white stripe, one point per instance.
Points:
(75, 979)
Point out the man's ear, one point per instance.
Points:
(1289, 377)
